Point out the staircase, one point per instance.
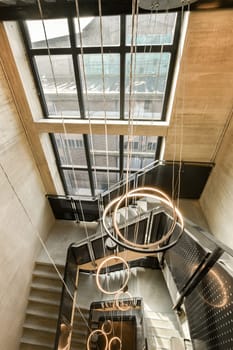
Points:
(161, 331)
(80, 330)
(43, 306)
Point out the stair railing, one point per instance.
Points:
(202, 271)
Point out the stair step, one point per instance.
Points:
(170, 317)
(127, 214)
(142, 205)
(42, 307)
(38, 338)
(43, 267)
(49, 275)
(45, 295)
(188, 344)
(162, 332)
(40, 313)
(177, 343)
(155, 323)
(43, 287)
(39, 327)
(40, 280)
(42, 300)
(158, 343)
(35, 320)
(27, 345)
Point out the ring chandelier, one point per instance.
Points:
(120, 302)
(101, 266)
(114, 340)
(153, 247)
(94, 334)
(107, 323)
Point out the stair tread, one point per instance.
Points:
(162, 332)
(42, 314)
(40, 324)
(54, 289)
(42, 300)
(177, 343)
(38, 327)
(30, 346)
(158, 323)
(40, 279)
(38, 321)
(26, 340)
(42, 264)
(46, 274)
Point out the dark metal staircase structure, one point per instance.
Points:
(198, 271)
(188, 178)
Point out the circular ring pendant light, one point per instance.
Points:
(153, 247)
(120, 303)
(94, 334)
(115, 259)
(107, 324)
(113, 341)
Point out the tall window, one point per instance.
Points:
(79, 77)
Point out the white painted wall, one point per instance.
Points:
(24, 212)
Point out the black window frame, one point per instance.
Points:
(75, 51)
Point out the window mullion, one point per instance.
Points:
(122, 66)
(34, 69)
(76, 68)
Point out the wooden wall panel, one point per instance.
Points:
(204, 93)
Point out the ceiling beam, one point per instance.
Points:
(62, 8)
(112, 127)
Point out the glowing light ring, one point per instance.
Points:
(219, 281)
(103, 325)
(142, 248)
(221, 285)
(113, 339)
(95, 332)
(117, 301)
(162, 197)
(101, 266)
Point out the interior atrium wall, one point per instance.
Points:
(217, 198)
(203, 96)
(24, 213)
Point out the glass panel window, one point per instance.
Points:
(147, 87)
(139, 151)
(105, 150)
(77, 182)
(55, 32)
(71, 149)
(90, 31)
(103, 85)
(152, 29)
(105, 180)
(58, 83)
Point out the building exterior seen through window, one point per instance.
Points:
(81, 77)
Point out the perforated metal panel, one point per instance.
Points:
(210, 311)
(183, 259)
